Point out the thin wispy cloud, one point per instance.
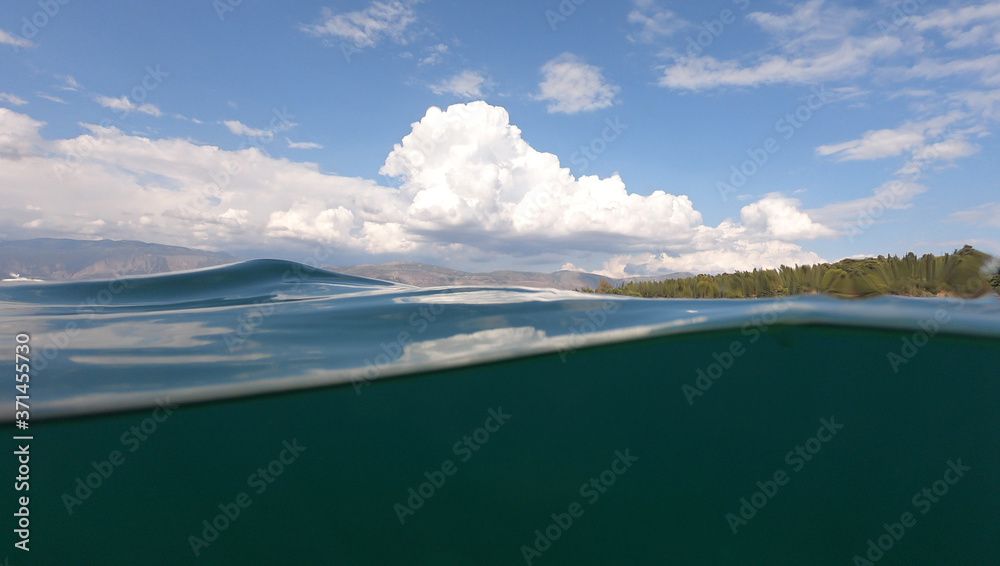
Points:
(963, 27)
(653, 22)
(805, 17)
(467, 84)
(878, 144)
(303, 145)
(437, 53)
(70, 84)
(50, 98)
(984, 215)
(851, 57)
(12, 99)
(186, 119)
(125, 104)
(812, 43)
(11, 39)
(241, 129)
(366, 28)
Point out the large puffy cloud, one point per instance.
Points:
(467, 170)
(781, 219)
(740, 256)
(108, 183)
(18, 135)
(470, 185)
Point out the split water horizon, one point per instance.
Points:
(268, 411)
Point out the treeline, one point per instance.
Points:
(966, 272)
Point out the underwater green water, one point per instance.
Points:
(674, 432)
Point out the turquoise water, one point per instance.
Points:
(296, 409)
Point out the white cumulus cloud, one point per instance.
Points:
(571, 86)
(780, 218)
(470, 186)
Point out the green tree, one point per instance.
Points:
(959, 273)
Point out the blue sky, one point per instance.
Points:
(627, 138)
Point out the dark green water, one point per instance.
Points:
(807, 399)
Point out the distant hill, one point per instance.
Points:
(64, 259)
(965, 273)
(424, 275)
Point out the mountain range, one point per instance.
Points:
(65, 259)
(53, 259)
(424, 275)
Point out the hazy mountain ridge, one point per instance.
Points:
(65, 259)
(424, 275)
(56, 259)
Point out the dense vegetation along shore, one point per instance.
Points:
(966, 272)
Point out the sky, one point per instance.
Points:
(635, 137)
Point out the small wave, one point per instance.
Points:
(268, 325)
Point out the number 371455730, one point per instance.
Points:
(22, 372)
